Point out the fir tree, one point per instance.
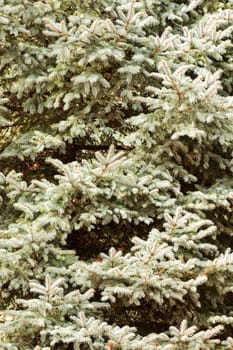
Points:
(116, 185)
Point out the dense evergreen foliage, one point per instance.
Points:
(116, 189)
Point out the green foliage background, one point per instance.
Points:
(116, 174)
